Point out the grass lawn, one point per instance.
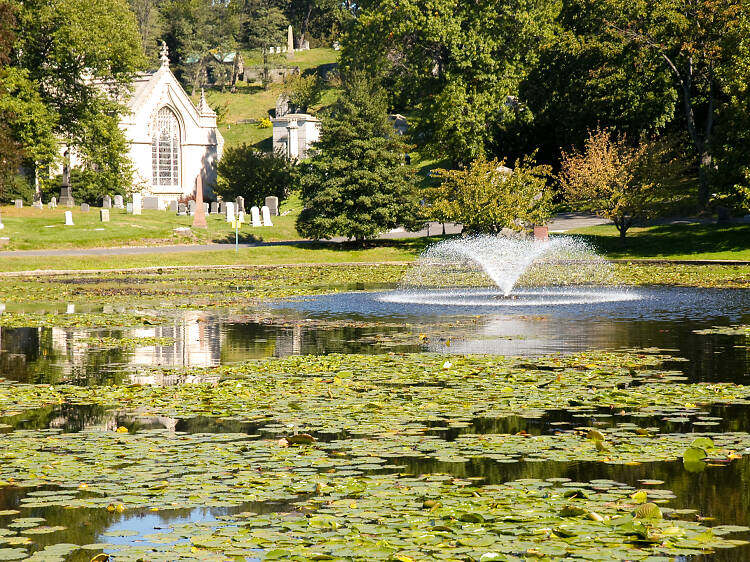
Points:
(386, 251)
(32, 229)
(674, 241)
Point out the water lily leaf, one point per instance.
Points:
(693, 454)
(648, 511)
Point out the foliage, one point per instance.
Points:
(264, 25)
(265, 123)
(196, 30)
(694, 41)
(457, 62)
(322, 19)
(619, 181)
(487, 197)
(303, 91)
(357, 185)
(244, 171)
(151, 24)
(79, 57)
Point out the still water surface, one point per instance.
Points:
(366, 322)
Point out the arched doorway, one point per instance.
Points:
(165, 151)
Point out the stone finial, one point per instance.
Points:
(203, 106)
(164, 52)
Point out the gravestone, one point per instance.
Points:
(214, 207)
(241, 217)
(266, 216)
(129, 208)
(68, 218)
(240, 203)
(106, 202)
(104, 215)
(19, 203)
(305, 45)
(37, 204)
(272, 202)
(191, 207)
(205, 208)
(151, 203)
(1, 223)
(290, 42)
(222, 208)
(255, 216)
(173, 206)
(181, 210)
(199, 220)
(137, 204)
(722, 215)
(118, 202)
(66, 193)
(84, 207)
(272, 50)
(230, 212)
(53, 203)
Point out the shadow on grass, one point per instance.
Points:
(413, 246)
(674, 240)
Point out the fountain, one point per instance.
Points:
(498, 271)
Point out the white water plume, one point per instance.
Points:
(491, 261)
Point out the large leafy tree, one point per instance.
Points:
(586, 77)
(264, 25)
(318, 18)
(694, 41)
(357, 185)
(77, 59)
(196, 29)
(457, 62)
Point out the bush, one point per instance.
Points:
(254, 175)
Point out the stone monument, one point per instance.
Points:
(69, 218)
(200, 211)
(1, 223)
(255, 216)
(53, 203)
(266, 216)
(66, 193)
(290, 42)
(240, 203)
(214, 208)
(118, 202)
(272, 202)
(106, 202)
(18, 203)
(137, 203)
(85, 207)
(104, 215)
(230, 212)
(282, 105)
(173, 206)
(191, 207)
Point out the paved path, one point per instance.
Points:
(560, 223)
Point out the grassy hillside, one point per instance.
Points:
(252, 102)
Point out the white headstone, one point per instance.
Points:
(129, 208)
(266, 216)
(106, 202)
(230, 211)
(255, 216)
(53, 203)
(118, 202)
(273, 205)
(241, 217)
(19, 203)
(71, 308)
(104, 215)
(1, 223)
(68, 218)
(37, 204)
(137, 206)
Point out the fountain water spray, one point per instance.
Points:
(490, 261)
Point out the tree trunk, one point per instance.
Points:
(704, 186)
(303, 28)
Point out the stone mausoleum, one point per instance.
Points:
(171, 140)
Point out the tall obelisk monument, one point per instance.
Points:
(290, 43)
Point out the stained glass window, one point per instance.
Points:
(165, 150)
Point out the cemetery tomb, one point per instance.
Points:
(137, 203)
(255, 216)
(104, 215)
(68, 218)
(266, 216)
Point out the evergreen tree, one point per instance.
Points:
(357, 185)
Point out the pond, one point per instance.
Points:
(381, 425)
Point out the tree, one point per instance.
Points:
(320, 18)
(303, 91)
(357, 185)
(623, 183)
(196, 30)
(693, 40)
(254, 175)
(487, 197)
(150, 25)
(457, 62)
(264, 26)
(77, 59)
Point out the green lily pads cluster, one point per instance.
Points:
(736, 330)
(106, 342)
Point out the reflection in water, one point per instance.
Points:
(661, 318)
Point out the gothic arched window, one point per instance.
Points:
(165, 150)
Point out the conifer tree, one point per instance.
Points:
(357, 184)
